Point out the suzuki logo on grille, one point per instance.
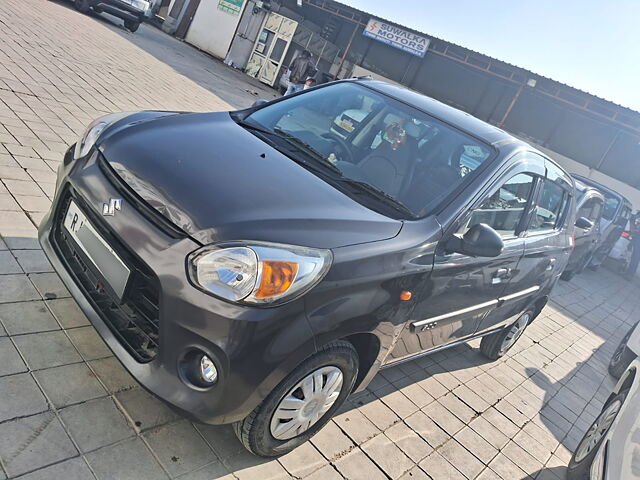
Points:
(109, 209)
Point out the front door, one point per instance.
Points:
(463, 290)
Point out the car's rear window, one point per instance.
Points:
(610, 207)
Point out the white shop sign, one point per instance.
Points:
(397, 37)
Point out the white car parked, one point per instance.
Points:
(610, 450)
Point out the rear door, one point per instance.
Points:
(587, 238)
(547, 245)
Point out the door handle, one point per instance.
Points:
(502, 273)
(552, 263)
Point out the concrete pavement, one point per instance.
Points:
(69, 410)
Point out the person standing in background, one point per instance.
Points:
(635, 245)
(299, 71)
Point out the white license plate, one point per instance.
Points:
(106, 261)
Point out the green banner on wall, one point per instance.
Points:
(233, 7)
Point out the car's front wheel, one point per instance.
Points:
(131, 25)
(302, 403)
(567, 275)
(622, 357)
(580, 464)
(82, 5)
(497, 344)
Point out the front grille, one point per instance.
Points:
(135, 319)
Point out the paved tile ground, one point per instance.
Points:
(68, 410)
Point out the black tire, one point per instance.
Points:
(567, 275)
(621, 358)
(82, 6)
(493, 346)
(131, 25)
(580, 463)
(255, 430)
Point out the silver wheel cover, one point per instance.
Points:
(517, 329)
(598, 430)
(306, 403)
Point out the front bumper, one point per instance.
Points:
(253, 348)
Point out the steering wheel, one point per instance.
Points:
(344, 154)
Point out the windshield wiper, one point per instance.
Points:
(307, 149)
(379, 195)
(299, 144)
(319, 158)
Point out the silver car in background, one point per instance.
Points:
(610, 450)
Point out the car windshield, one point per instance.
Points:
(370, 144)
(610, 207)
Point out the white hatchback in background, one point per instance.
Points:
(610, 450)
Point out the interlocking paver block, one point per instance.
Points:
(303, 461)
(27, 317)
(95, 424)
(17, 288)
(460, 457)
(388, 456)
(67, 312)
(145, 410)
(179, 447)
(88, 343)
(438, 467)
(20, 397)
(413, 446)
(477, 445)
(114, 376)
(427, 429)
(10, 360)
(358, 427)
(30, 443)
(73, 469)
(46, 349)
(355, 465)
(128, 459)
(8, 263)
(331, 442)
(49, 285)
(69, 384)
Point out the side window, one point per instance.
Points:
(551, 204)
(504, 208)
(591, 209)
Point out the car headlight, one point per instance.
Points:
(257, 272)
(93, 131)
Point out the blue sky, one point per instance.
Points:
(591, 45)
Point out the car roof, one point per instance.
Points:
(462, 120)
(583, 189)
(599, 186)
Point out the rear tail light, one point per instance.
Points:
(625, 235)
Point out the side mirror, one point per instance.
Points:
(259, 103)
(584, 223)
(480, 241)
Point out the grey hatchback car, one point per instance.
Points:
(256, 268)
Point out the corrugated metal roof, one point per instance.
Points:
(532, 74)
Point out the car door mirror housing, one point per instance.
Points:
(259, 103)
(480, 241)
(584, 223)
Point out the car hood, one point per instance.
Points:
(218, 182)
